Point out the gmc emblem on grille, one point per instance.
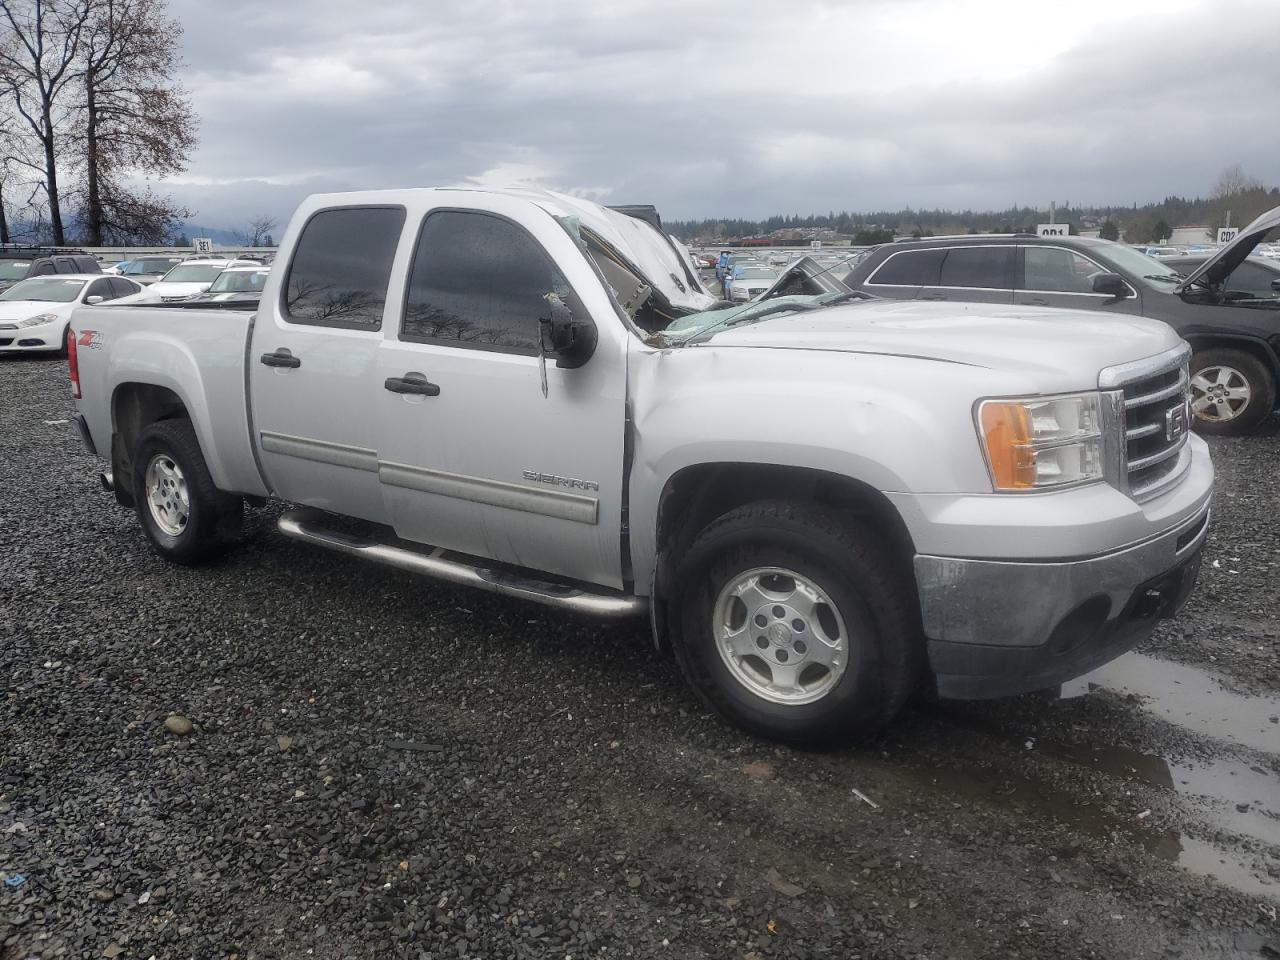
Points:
(1176, 422)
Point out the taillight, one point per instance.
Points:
(73, 363)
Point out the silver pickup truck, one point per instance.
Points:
(822, 502)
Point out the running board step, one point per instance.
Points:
(309, 526)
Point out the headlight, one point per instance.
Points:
(1042, 442)
(39, 319)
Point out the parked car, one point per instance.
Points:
(147, 270)
(184, 281)
(748, 281)
(820, 502)
(236, 284)
(1236, 341)
(34, 313)
(1256, 278)
(114, 269)
(735, 263)
(18, 263)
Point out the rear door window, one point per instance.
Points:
(910, 268)
(100, 288)
(341, 267)
(121, 287)
(989, 268)
(65, 265)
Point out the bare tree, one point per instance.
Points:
(38, 61)
(1237, 197)
(133, 116)
(258, 233)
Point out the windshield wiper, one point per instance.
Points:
(1167, 277)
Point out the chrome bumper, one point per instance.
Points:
(995, 628)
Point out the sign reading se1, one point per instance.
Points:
(1053, 230)
(202, 244)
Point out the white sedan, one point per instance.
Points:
(34, 313)
(186, 280)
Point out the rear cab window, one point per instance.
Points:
(341, 267)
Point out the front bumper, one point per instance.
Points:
(998, 628)
(44, 338)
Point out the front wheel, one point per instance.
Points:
(1232, 391)
(796, 624)
(183, 514)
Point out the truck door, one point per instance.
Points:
(473, 456)
(313, 361)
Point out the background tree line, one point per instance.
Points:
(88, 101)
(1235, 191)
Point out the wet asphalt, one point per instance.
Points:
(382, 766)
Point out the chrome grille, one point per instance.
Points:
(1157, 423)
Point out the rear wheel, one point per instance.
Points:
(795, 623)
(183, 514)
(1232, 391)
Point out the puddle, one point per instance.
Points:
(1222, 783)
(1032, 797)
(1188, 697)
(1206, 860)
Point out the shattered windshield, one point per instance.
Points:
(697, 327)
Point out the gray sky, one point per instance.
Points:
(738, 108)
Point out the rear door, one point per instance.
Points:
(474, 456)
(1059, 277)
(313, 362)
(980, 273)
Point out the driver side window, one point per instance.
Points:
(1055, 270)
(479, 281)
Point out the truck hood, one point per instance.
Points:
(659, 261)
(1217, 268)
(1059, 349)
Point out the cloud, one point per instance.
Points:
(730, 108)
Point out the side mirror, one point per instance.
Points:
(563, 336)
(95, 299)
(1112, 284)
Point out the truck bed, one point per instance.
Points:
(198, 354)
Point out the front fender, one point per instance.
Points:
(892, 423)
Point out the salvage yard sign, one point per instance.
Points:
(1227, 234)
(202, 244)
(1052, 230)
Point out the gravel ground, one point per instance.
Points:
(381, 766)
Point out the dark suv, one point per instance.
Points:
(18, 263)
(1234, 332)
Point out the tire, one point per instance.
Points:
(201, 518)
(1239, 373)
(870, 606)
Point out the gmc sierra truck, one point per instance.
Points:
(822, 502)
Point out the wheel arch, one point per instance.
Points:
(134, 407)
(698, 493)
(1256, 346)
